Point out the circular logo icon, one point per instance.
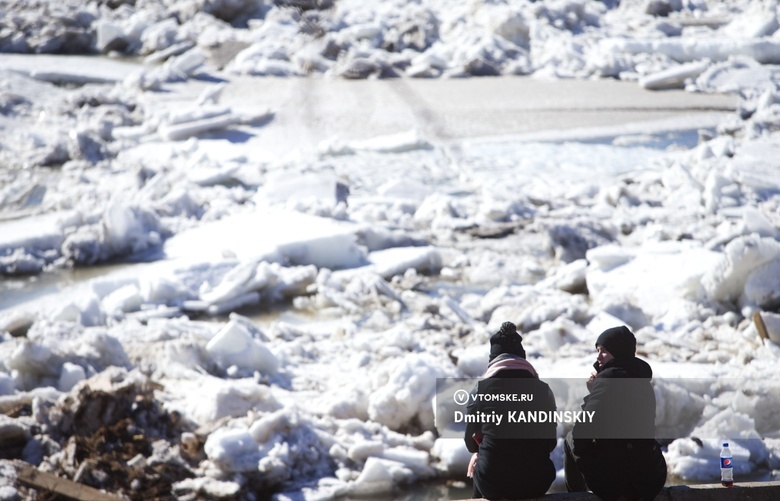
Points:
(727, 462)
(461, 397)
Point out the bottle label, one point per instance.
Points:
(726, 463)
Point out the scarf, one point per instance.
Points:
(509, 362)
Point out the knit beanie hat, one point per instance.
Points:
(506, 340)
(619, 341)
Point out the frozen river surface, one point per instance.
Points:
(241, 237)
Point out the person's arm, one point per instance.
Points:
(589, 382)
(585, 432)
(552, 441)
(473, 434)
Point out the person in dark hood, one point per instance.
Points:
(616, 455)
(510, 460)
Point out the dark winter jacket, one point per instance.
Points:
(514, 458)
(617, 452)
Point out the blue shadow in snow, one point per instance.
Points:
(682, 139)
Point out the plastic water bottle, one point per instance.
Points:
(726, 466)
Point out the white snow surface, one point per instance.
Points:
(300, 307)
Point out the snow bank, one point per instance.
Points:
(233, 346)
(655, 277)
(286, 237)
(746, 259)
(404, 390)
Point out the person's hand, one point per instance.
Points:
(472, 465)
(592, 378)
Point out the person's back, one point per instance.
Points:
(513, 455)
(616, 453)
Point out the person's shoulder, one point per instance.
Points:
(613, 372)
(511, 373)
(639, 368)
(626, 368)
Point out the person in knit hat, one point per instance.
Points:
(506, 341)
(616, 455)
(618, 341)
(510, 461)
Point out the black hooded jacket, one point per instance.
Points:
(617, 451)
(622, 401)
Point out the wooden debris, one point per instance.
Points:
(760, 326)
(48, 482)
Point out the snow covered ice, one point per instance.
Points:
(196, 238)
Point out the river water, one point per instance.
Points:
(449, 112)
(308, 112)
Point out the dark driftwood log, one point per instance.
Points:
(48, 482)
